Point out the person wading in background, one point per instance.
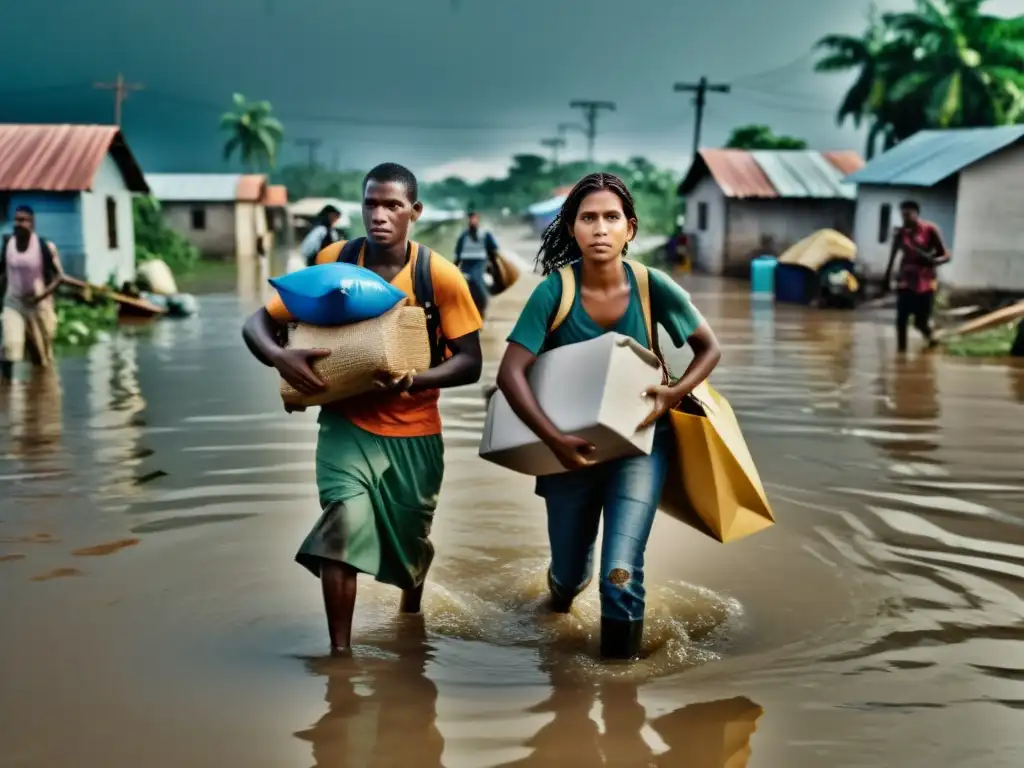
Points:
(30, 272)
(474, 251)
(921, 244)
(322, 235)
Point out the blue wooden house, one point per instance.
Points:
(79, 180)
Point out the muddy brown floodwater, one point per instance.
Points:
(154, 493)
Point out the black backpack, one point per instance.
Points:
(423, 289)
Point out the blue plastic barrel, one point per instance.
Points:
(762, 275)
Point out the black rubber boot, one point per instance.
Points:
(621, 639)
(560, 602)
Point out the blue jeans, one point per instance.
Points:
(475, 270)
(628, 491)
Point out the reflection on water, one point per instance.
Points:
(381, 711)
(154, 491)
(31, 417)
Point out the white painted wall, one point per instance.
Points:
(989, 251)
(217, 239)
(938, 205)
(250, 222)
(100, 260)
(757, 227)
(710, 241)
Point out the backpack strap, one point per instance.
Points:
(643, 285)
(423, 290)
(568, 278)
(351, 250)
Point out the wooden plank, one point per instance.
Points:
(985, 322)
(128, 304)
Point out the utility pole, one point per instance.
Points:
(590, 110)
(312, 145)
(121, 90)
(700, 89)
(554, 144)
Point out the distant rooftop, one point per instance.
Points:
(928, 157)
(63, 158)
(781, 173)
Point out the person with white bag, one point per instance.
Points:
(591, 236)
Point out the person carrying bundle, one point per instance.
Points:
(380, 456)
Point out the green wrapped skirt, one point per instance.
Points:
(377, 496)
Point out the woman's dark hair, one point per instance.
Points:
(558, 247)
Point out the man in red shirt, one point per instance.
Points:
(921, 244)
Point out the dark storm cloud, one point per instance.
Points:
(421, 81)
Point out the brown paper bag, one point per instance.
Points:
(712, 483)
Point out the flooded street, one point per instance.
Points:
(154, 493)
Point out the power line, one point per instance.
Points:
(700, 90)
(554, 144)
(590, 111)
(121, 90)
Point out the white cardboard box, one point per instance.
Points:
(594, 390)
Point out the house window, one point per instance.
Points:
(702, 217)
(884, 222)
(198, 218)
(111, 224)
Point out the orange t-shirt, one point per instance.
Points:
(404, 414)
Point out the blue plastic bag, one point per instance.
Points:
(336, 294)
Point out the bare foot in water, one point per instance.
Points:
(412, 600)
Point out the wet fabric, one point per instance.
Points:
(916, 305)
(378, 496)
(627, 492)
(670, 305)
(28, 331)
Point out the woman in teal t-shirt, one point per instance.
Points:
(592, 232)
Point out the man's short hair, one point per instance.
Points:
(25, 209)
(386, 173)
(910, 205)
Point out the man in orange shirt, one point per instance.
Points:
(380, 456)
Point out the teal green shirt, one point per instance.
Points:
(670, 306)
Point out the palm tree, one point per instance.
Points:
(864, 54)
(255, 133)
(967, 65)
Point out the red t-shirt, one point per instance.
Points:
(916, 273)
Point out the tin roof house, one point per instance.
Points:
(744, 203)
(222, 214)
(79, 180)
(968, 181)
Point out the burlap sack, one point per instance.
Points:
(395, 343)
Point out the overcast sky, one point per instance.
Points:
(441, 85)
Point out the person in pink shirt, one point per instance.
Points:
(30, 272)
(921, 244)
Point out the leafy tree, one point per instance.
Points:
(255, 134)
(761, 137)
(945, 64)
(155, 240)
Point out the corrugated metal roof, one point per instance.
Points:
(774, 173)
(252, 188)
(195, 187)
(803, 173)
(738, 173)
(62, 158)
(928, 157)
(277, 196)
(847, 161)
